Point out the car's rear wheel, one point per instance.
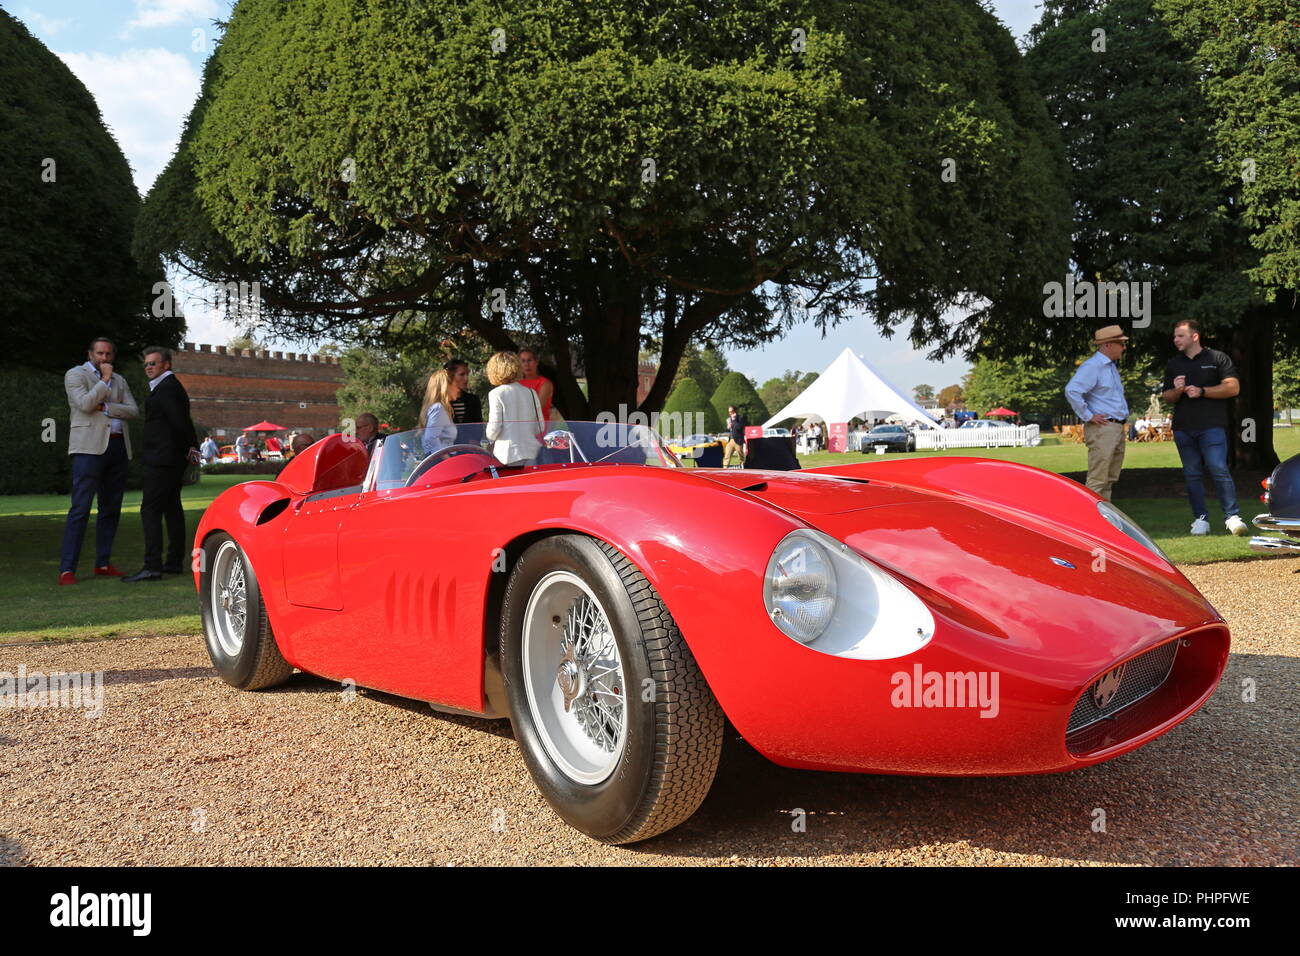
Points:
(613, 717)
(238, 635)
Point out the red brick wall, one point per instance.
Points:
(232, 391)
(645, 380)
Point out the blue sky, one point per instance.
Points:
(143, 59)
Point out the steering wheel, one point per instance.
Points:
(442, 454)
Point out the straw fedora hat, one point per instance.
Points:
(1111, 333)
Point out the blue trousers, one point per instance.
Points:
(95, 475)
(1202, 451)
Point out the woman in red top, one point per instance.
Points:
(540, 384)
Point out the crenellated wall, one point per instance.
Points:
(231, 389)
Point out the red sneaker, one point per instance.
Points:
(107, 570)
(67, 577)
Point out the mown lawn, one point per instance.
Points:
(35, 608)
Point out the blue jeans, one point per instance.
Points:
(103, 475)
(1202, 451)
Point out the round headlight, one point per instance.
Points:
(799, 588)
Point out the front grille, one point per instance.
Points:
(1140, 677)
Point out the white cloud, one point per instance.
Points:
(163, 13)
(144, 96)
(40, 24)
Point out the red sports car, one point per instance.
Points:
(920, 616)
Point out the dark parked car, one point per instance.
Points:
(895, 437)
(1282, 495)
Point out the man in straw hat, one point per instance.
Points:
(1097, 397)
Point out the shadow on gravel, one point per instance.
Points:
(156, 675)
(1217, 789)
(11, 851)
(302, 683)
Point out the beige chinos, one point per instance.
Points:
(1105, 455)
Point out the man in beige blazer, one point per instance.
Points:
(100, 403)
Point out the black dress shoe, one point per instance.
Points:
(144, 575)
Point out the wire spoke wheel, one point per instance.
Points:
(235, 626)
(573, 677)
(229, 598)
(611, 713)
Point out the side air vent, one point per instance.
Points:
(270, 512)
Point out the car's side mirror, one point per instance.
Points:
(561, 440)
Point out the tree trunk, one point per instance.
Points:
(612, 355)
(1251, 348)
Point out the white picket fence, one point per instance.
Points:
(930, 440)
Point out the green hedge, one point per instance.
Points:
(688, 399)
(736, 389)
(245, 468)
(35, 459)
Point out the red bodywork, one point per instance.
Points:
(400, 591)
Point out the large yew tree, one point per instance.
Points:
(67, 213)
(600, 176)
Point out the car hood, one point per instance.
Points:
(1007, 573)
(1019, 578)
(808, 494)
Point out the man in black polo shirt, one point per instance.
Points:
(1200, 383)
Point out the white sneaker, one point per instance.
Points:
(1200, 526)
(1237, 526)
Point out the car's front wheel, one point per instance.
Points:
(238, 635)
(614, 719)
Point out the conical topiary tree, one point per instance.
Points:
(737, 390)
(688, 411)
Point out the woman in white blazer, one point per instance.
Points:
(515, 420)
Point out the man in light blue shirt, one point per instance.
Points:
(1097, 396)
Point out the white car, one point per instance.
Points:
(986, 423)
(776, 433)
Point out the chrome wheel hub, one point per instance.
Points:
(572, 680)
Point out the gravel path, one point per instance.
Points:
(182, 769)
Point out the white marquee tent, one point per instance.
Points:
(850, 388)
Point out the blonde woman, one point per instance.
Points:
(515, 421)
(436, 414)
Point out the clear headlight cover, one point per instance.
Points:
(800, 588)
(825, 595)
(1130, 527)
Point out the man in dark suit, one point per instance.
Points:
(170, 443)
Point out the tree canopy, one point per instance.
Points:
(777, 393)
(603, 175)
(707, 366)
(67, 218)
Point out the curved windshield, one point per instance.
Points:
(518, 445)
